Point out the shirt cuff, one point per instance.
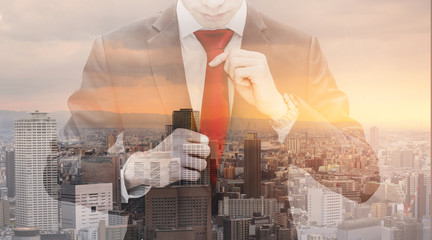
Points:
(284, 131)
(284, 124)
(135, 192)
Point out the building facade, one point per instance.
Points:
(252, 168)
(84, 206)
(36, 172)
(10, 172)
(324, 207)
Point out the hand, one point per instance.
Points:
(252, 79)
(180, 156)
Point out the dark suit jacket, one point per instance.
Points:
(138, 69)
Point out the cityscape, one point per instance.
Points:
(316, 116)
(317, 184)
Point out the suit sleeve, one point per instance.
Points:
(324, 95)
(325, 112)
(94, 104)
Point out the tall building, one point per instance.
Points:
(102, 169)
(252, 166)
(36, 172)
(179, 207)
(421, 197)
(374, 138)
(168, 130)
(292, 145)
(188, 119)
(110, 140)
(185, 118)
(324, 207)
(10, 172)
(236, 228)
(84, 206)
(416, 188)
(409, 188)
(5, 213)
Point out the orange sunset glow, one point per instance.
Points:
(379, 53)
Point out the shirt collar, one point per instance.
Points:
(188, 25)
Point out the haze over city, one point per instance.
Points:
(379, 52)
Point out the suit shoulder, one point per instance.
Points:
(284, 33)
(140, 30)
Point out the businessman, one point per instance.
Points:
(219, 57)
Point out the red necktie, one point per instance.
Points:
(215, 112)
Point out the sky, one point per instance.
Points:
(378, 51)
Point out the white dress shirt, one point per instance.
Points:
(195, 57)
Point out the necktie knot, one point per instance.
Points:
(214, 39)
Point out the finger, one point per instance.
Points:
(232, 63)
(242, 83)
(219, 59)
(246, 54)
(194, 163)
(243, 76)
(190, 175)
(196, 150)
(195, 137)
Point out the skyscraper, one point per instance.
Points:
(179, 207)
(374, 138)
(102, 169)
(168, 130)
(188, 119)
(292, 145)
(10, 172)
(421, 197)
(324, 207)
(36, 172)
(110, 140)
(5, 213)
(185, 118)
(252, 166)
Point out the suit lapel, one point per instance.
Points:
(253, 35)
(166, 62)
